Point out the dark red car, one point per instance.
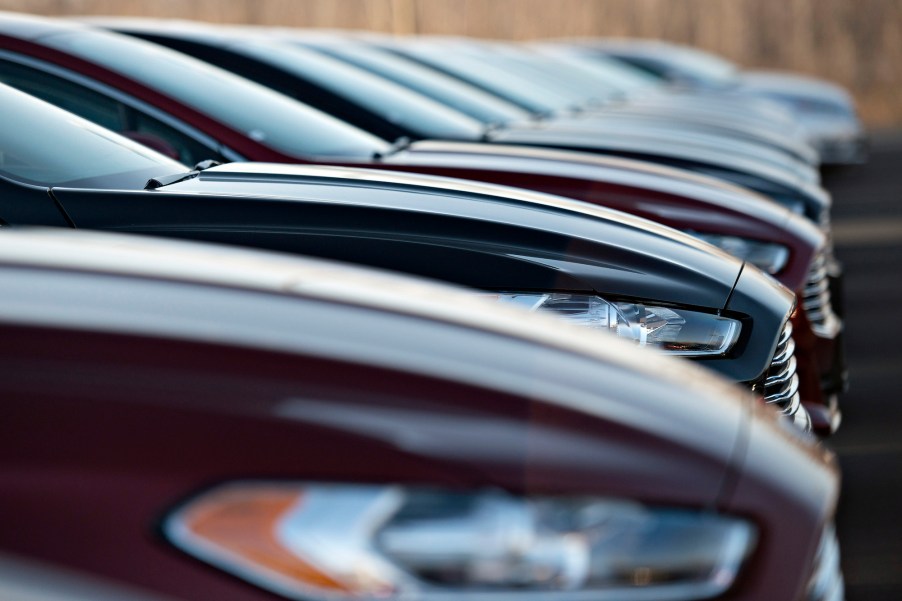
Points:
(323, 432)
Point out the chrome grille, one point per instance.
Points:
(781, 384)
(826, 227)
(823, 220)
(826, 582)
(815, 299)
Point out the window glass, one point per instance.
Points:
(411, 111)
(189, 150)
(624, 78)
(68, 96)
(702, 66)
(681, 62)
(511, 86)
(266, 116)
(450, 91)
(104, 111)
(41, 144)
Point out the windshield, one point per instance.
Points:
(702, 66)
(681, 62)
(450, 91)
(543, 70)
(512, 87)
(43, 145)
(269, 118)
(617, 74)
(414, 113)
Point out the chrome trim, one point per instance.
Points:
(130, 101)
(802, 421)
(815, 298)
(783, 353)
(783, 377)
(781, 382)
(819, 287)
(787, 395)
(786, 333)
(826, 583)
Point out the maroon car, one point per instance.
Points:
(325, 432)
(195, 111)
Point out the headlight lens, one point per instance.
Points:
(768, 257)
(337, 542)
(676, 331)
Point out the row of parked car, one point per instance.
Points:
(320, 431)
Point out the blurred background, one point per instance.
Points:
(857, 43)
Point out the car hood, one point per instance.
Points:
(793, 84)
(720, 156)
(646, 131)
(447, 387)
(577, 245)
(666, 118)
(678, 198)
(712, 195)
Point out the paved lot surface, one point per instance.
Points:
(868, 225)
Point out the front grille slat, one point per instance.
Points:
(781, 383)
(786, 394)
(815, 298)
(817, 288)
(783, 354)
(780, 378)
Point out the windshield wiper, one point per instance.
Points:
(397, 146)
(540, 116)
(492, 127)
(165, 180)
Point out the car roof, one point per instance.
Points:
(31, 27)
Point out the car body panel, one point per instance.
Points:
(303, 207)
(455, 269)
(294, 72)
(818, 488)
(246, 147)
(673, 197)
(184, 351)
(824, 111)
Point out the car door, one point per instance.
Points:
(25, 204)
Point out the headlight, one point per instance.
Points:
(677, 331)
(337, 542)
(768, 257)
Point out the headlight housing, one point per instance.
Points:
(673, 330)
(316, 541)
(767, 256)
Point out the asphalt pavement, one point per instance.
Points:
(867, 220)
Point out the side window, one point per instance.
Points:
(651, 67)
(187, 150)
(107, 112)
(74, 98)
